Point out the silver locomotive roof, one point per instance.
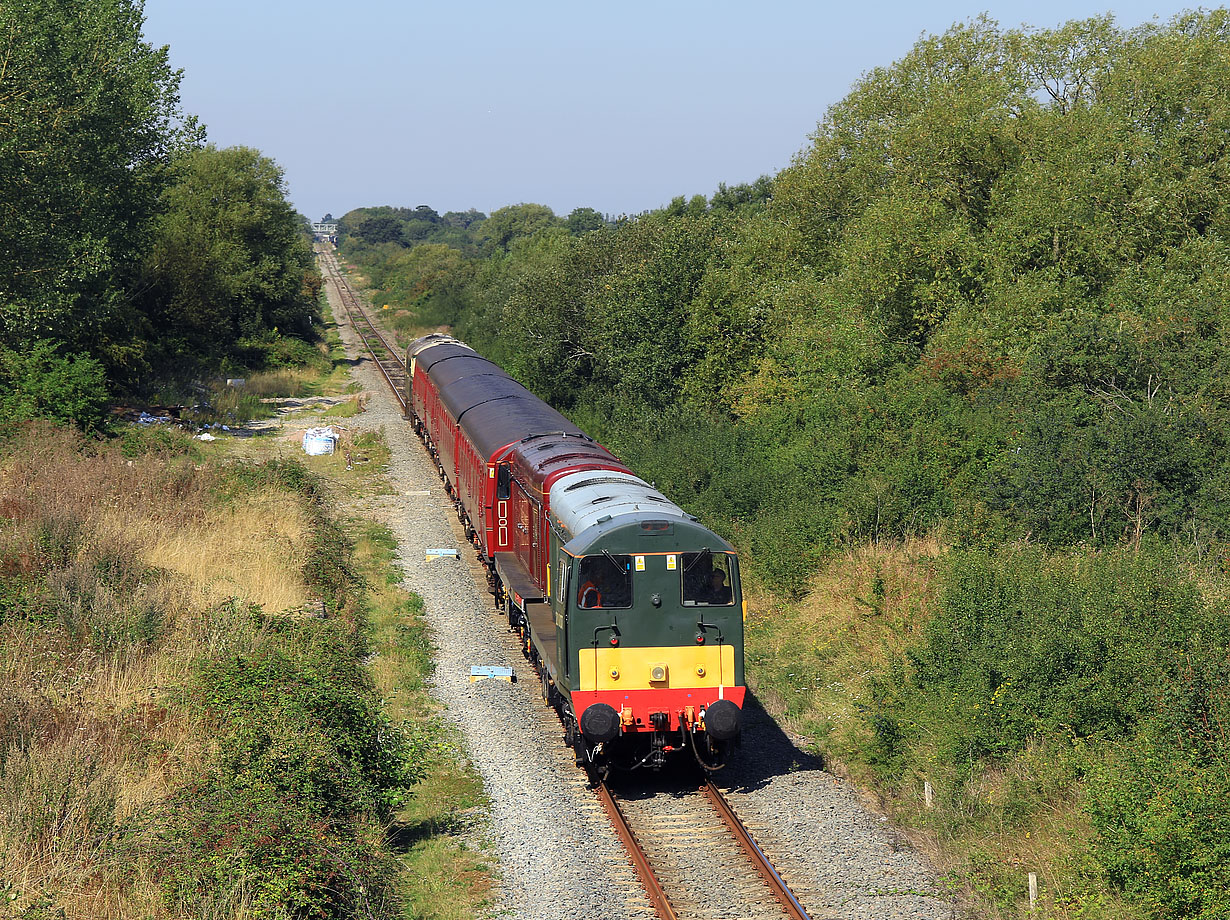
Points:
(588, 497)
(419, 345)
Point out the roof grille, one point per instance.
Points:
(600, 481)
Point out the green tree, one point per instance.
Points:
(228, 266)
(89, 116)
(516, 221)
(583, 220)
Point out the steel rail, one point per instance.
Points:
(640, 862)
(391, 367)
(770, 875)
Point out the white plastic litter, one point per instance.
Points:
(319, 441)
(205, 436)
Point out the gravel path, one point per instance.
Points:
(558, 856)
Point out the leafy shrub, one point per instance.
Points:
(1034, 644)
(300, 716)
(219, 851)
(165, 440)
(39, 382)
(1161, 804)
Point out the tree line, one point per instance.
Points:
(987, 300)
(989, 294)
(130, 249)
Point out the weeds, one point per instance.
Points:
(167, 748)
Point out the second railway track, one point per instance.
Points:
(386, 355)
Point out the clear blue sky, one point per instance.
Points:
(614, 106)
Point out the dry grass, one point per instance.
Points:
(809, 661)
(121, 571)
(252, 552)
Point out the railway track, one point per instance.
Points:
(694, 857)
(387, 356)
(691, 852)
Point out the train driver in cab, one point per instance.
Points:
(720, 593)
(589, 595)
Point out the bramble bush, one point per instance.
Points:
(299, 713)
(220, 850)
(1161, 804)
(286, 819)
(1036, 643)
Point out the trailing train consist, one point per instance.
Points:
(628, 608)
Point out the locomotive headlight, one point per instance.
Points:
(614, 673)
(700, 670)
(657, 672)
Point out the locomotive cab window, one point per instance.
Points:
(604, 580)
(708, 580)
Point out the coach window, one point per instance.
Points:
(604, 580)
(503, 479)
(708, 580)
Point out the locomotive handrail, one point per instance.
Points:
(613, 627)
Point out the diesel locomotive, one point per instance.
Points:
(629, 609)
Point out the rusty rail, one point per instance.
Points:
(780, 890)
(640, 862)
(653, 887)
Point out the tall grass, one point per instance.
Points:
(125, 569)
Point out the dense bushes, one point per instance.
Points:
(40, 382)
(1115, 664)
(305, 756)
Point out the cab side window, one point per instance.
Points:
(604, 580)
(707, 580)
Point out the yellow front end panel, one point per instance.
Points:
(634, 668)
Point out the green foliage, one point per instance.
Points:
(254, 849)
(39, 382)
(90, 113)
(139, 440)
(307, 762)
(583, 220)
(1035, 645)
(299, 716)
(515, 222)
(1073, 674)
(228, 271)
(1161, 804)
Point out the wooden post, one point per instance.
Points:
(1033, 890)
(928, 794)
